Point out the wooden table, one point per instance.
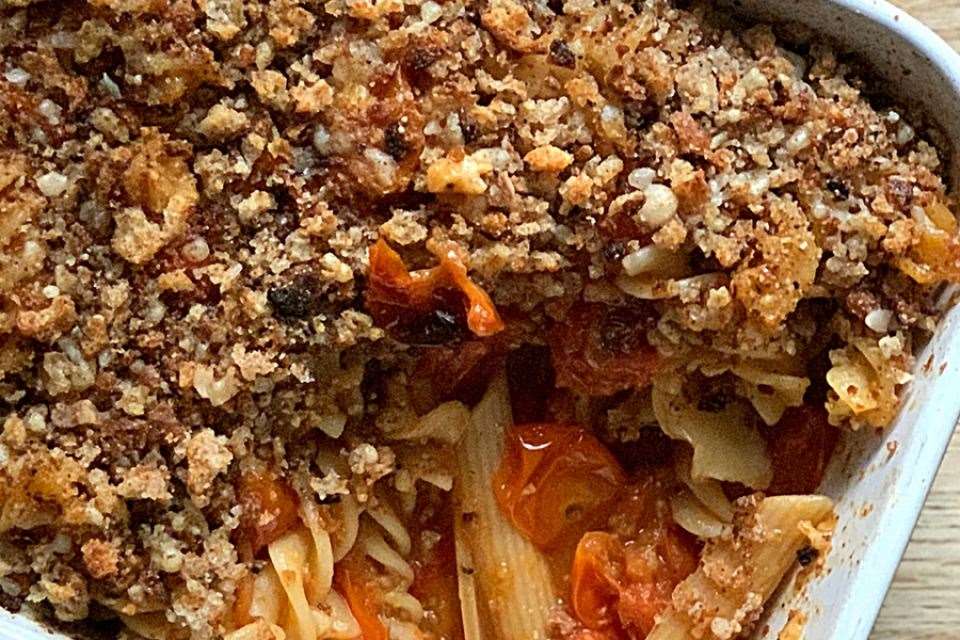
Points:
(924, 602)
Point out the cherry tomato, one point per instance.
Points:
(555, 481)
(621, 581)
(269, 509)
(595, 579)
(599, 350)
(400, 299)
(800, 446)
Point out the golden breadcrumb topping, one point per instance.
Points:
(191, 194)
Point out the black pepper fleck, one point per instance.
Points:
(469, 129)
(561, 55)
(296, 301)
(806, 555)
(614, 251)
(395, 141)
(838, 189)
(636, 115)
(422, 57)
(434, 328)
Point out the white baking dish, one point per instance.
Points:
(878, 481)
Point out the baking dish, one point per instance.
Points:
(880, 481)
(861, 450)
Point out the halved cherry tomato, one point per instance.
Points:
(651, 572)
(800, 446)
(620, 583)
(397, 297)
(599, 350)
(555, 482)
(595, 579)
(268, 509)
(355, 581)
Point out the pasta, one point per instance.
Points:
(292, 598)
(508, 606)
(725, 445)
(737, 575)
(445, 423)
(707, 490)
(692, 515)
(864, 385)
(770, 392)
(288, 557)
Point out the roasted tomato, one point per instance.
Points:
(268, 509)
(595, 579)
(621, 581)
(454, 372)
(401, 300)
(556, 481)
(599, 350)
(356, 582)
(800, 446)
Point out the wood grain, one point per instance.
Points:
(924, 602)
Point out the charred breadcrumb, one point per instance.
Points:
(188, 193)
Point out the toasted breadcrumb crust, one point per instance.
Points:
(188, 193)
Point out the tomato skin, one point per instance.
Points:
(599, 350)
(355, 583)
(269, 508)
(595, 579)
(621, 582)
(555, 481)
(800, 446)
(400, 299)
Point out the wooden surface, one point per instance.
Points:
(924, 602)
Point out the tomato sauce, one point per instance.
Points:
(800, 446)
(611, 538)
(355, 579)
(599, 350)
(435, 581)
(269, 508)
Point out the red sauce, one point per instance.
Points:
(599, 350)
(623, 578)
(355, 579)
(435, 581)
(800, 446)
(269, 509)
(611, 539)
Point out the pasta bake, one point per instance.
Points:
(441, 320)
